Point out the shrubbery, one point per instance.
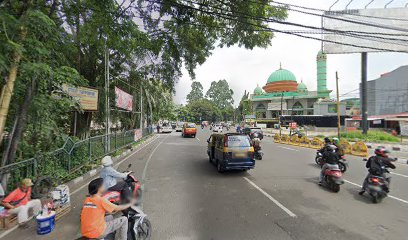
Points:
(372, 136)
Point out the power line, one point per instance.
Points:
(233, 18)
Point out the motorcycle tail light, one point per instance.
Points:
(375, 180)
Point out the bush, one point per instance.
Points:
(372, 136)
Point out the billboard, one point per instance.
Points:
(381, 30)
(123, 99)
(87, 97)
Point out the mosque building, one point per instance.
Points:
(283, 92)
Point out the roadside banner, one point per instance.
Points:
(87, 97)
(123, 99)
(138, 134)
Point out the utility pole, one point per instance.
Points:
(338, 105)
(280, 116)
(364, 103)
(107, 107)
(291, 114)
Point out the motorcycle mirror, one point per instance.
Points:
(365, 159)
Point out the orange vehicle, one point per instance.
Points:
(189, 129)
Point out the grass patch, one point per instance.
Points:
(372, 136)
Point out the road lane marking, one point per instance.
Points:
(393, 197)
(198, 139)
(398, 174)
(291, 149)
(148, 160)
(290, 213)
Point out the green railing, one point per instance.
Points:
(71, 160)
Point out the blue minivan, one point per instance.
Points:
(231, 151)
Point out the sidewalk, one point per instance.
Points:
(68, 227)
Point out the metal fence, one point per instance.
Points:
(72, 159)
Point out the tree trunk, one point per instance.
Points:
(21, 120)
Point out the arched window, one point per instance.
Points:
(297, 105)
(260, 108)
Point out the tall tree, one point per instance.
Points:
(220, 93)
(205, 110)
(196, 92)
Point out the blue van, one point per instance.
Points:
(231, 151)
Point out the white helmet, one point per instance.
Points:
(107, 161)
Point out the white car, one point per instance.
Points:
(179, 128)
(217, 128)
(166, 129)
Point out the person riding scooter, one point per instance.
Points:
(331, 160)
(110, 176)
(377, 165)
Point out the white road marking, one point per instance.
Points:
(393, 197)
(198, 139)
(398, 174)
(150, 157)
(291, 149)
(290, 213)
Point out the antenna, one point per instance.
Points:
(370, 4)
(333, 4)
(349, 4)
(386, 5)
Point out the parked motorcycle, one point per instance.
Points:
(333, 178)
(343, 164)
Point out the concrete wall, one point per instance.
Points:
(389, 93)
(322, 108)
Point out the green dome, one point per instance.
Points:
(301, 87)
(258, 90)
(281, 75)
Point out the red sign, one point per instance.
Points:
(123, 99)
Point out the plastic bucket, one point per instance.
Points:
(46, 224)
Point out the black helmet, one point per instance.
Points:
(326, 140)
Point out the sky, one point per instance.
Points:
(244, 69)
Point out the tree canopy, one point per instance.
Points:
(220, 93)
(196, 92)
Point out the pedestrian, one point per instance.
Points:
(94, 224)
(158, 128)
(19, 202)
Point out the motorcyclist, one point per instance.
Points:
(339, 150)
(377, 165)
(331, 160)
(110, 176)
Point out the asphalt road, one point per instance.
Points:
(186, 198)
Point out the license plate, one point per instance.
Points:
(240, 155)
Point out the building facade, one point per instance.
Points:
(283, 96)
(388, 94)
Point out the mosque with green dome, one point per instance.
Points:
(283, 91)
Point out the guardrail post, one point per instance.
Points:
(90, 149)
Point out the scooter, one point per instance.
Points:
(343, 164)
(133, 185)
(333, 178)
(376, 187)
(258, 153)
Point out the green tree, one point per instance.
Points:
(220, 93)
(196, 92)
(205, 110)
(245, 106)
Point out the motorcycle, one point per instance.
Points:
(115, 195)
(333, 178)
(343, 164)
(258, 153)
(376, 186)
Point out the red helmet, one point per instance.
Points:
(381, 151)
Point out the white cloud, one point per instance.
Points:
(244, 69)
